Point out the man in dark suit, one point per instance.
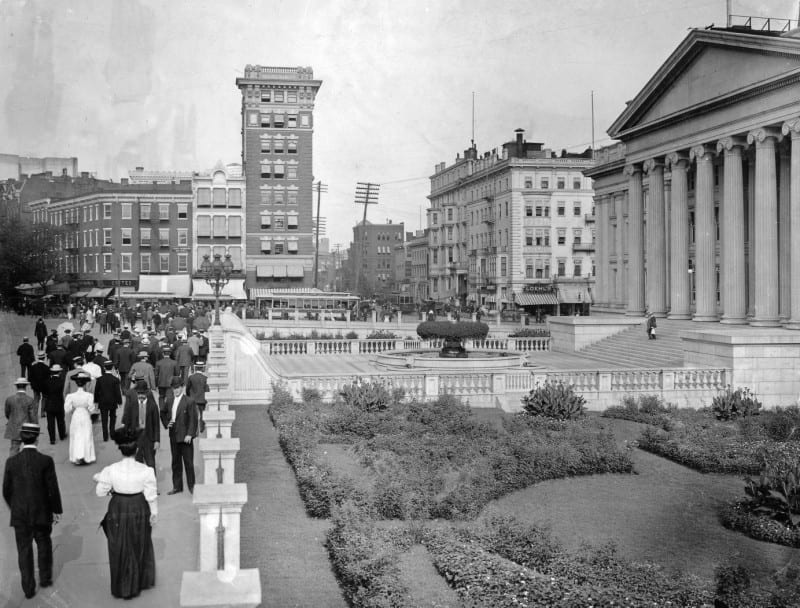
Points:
(54, 404)
(179, 416)
(108, 397)
(30, 488)
(38, 376)
(26, 356)
(19, 408)
(166, 370)
(196, 388)
(124, 358)
(141, 412)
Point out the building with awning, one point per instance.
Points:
(522, 298)
(234, 290)
(99, 292)
(163, 286)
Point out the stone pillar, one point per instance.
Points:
(218, 423)
(219, 456)
(705, 239)
(667, 238)
(766, 309)
(793, 127)
(635, 249)
(784, 231)
(751, 232)
(220, 508)
(734, 288)
(603, 246)
(680, 286)
(656, 254)
(217, 401)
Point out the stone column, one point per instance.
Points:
(793, 127)
(751, 232)
(656, 253)
(766, 309)
(784, 230)
(705, 239)
(621, 285)
(667, 238)
(220, 508)
(600, 244)
(635, 250)
(680, 286)
(734, 296)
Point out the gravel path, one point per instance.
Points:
(278, 537)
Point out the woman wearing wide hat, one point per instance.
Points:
(131, 514)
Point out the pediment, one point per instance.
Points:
(706, 67)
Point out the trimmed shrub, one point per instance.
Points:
(554, 400)
(382, 334)
(369, 396)
(470, 330)
(648, 409)
(351, 335)
(737, 516)
(531, 332)
(783, 424)
(733, 404)
(311, 395)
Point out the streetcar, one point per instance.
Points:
(309, 303)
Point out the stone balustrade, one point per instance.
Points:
(338, 347)
(218, 456)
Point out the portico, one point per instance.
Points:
(699, 203)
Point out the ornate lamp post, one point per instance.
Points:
(217, 274)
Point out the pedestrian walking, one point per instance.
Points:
(38, 376)
(196, 389)
(40, 331)
(81, 405)
(107, 396)
(651, 326)
(19, 409)
(26, 356)
(30, 488)
(129, 520)
(141, 414)
(179, 416)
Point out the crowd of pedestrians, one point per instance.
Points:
(153, 368)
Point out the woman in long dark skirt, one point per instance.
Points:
(128, 522)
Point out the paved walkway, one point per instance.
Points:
(278, 537)
(80, 568)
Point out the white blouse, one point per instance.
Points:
(79, 399)
(128, 477)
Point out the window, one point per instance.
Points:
(562, 268)
(252, 119)
(203, 250)
(561, 183)
(266, 170)
(449, 233)
(234, 227)
(127, 211)
(291, 97)
(576, 209)
(266, 95)
(220, 226)
(561, 210)
(183, 262)
(278, 96)
(562, 237)
(449, 214)
(219, 198)
(577, 270)
(292, 197)
(292, 121)
(203, 197)
(291, 147)
(266, 196)
(106, 211)
(291, 247)
(278, 169)
(576, 183)
(236, 257)
(144, 237)
(203, 225)
(305, 120)
(183, 211)
(107, 237)
(163, 211)
(106, 262)
(291, 221)
(529, 239)
(529, 210)
(144, 262)
(183, 237)
(163, 237)
(576, 237)
(266, 220)
(277, 121)
(144, 211)
(278, 249)
(545, 183)
(278, 199)
(538, 211)
(127, 262)
(234, 197)
(547, 210)
(280, 222)
(503, 266)
(528, 183)
(528, 269)
(265, 121)
(292, 174)
(126, 236)
(163, 262)
(266, 245)
(265, 145)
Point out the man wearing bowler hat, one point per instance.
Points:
(19, 409)
(179, 417)
(30, 488)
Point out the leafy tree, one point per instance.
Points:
(28, 254)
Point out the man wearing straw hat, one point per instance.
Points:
(30, 488)
(19, 409)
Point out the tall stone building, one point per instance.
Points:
(277, 130)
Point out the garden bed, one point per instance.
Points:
(738, 517)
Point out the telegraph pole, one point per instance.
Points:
(320, 189)
(366, 194)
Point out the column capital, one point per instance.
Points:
(651, 164)
(632, 169)
(791, 126)
(729, 143)
(701, 152)
(760, 135)
(675, 158)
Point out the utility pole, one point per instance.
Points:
(320, 189)
(366, 194)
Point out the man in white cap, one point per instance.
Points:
(20, 409)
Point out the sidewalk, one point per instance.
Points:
(80, 557)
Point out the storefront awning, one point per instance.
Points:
(295, 270)
(263, 271)
(78, 294)
(535, 299)
(164, 286)
(99, 292)
(234, 290)
(279, 271)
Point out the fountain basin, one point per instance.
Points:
(478, 360)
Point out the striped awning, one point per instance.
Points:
(535, 299)
(99, 292)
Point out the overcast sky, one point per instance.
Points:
(125, 83)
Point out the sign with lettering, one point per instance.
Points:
(539, 288)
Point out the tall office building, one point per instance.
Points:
(277, 130)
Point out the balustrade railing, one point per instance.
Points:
(369, 346)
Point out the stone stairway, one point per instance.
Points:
(632, 348)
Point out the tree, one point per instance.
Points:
(28, 254)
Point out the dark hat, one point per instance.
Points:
(30, 428)
(176, 382)
(78, 358)
(125, 435)
(53, 331)
(67, 330)
(82, 376)
(141, 387)
(109, 364)
(25, 339)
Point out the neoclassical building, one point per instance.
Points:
(698, 204)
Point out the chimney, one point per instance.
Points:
(519, 133)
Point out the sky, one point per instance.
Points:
(126, 83)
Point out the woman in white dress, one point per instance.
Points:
(81, 404)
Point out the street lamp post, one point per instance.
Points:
(217, 274)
